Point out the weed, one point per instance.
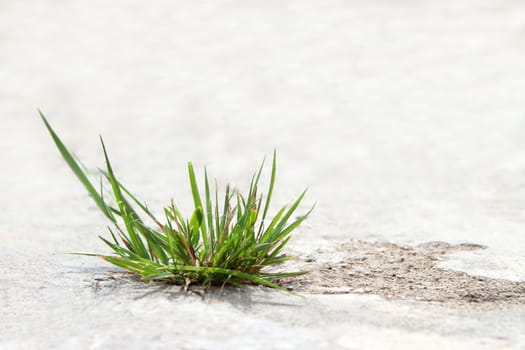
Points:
(230, 241)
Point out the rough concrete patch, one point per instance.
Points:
(394, 272)
(402, 273)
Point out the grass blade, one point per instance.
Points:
(198, 203)
(77, 170)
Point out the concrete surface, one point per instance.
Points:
(406, 119)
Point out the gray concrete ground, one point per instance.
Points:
(406, 119)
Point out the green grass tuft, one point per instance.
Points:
(228, 241)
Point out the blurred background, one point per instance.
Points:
(406, 119)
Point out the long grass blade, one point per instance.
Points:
(125, 210)
(77, 170)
